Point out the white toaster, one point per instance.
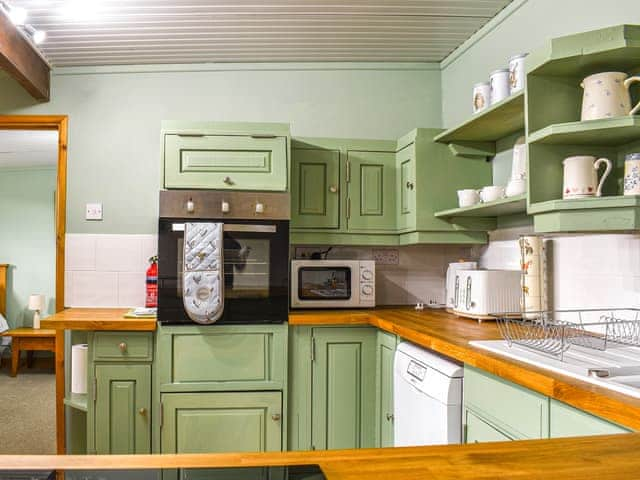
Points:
(479, 293)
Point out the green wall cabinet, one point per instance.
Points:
(226, 156)
(385, 354)
(221, 422)
(123, 406)
(315, 188)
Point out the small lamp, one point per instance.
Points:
(36, 302)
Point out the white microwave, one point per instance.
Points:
(333, 284)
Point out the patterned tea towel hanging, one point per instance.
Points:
(203, 286)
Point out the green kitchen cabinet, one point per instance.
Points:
(478, 430)
(385, 354)
(122, 409)
(221, 422)
(226, 156)
(406, 187)
(315, 188)
(372, 182)
(567, 421)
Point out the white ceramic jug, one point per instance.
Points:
(607, 95)
(581, 176)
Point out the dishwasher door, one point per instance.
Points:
(427, 403)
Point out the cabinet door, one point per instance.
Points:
(385, 353)
(343, 386)
(231, 162)
(372, 186)
(122, 410)
(480, 431)
(315, 189)
(406, 187)
(566, 421)
(221, 422)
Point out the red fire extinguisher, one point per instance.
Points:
(152, 283)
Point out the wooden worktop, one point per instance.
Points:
(450, 335)
(97, 319)
(602, 457)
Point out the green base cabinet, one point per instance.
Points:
(385, 355)
(226, 156)
(221, 422)
(497, 410)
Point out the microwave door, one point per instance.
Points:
(324, 284)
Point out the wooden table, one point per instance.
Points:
(29, 339)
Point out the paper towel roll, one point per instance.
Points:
(79, 355)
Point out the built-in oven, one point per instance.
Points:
(223, 257)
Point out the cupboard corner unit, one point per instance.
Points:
(225, 156)
(221, 388)
(555, 130)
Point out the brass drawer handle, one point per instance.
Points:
(122, 347)
(333, 189)
(276, 417)
(142, 411)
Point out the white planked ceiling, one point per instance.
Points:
(28, 148)
(111, 32)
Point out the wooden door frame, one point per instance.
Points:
(58, 123)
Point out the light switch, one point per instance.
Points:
(94, 211)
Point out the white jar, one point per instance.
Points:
(499, 82)
(481, 96)
(516, 73)
(632, 174)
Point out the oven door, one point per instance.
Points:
(324, 286)
(256, 276)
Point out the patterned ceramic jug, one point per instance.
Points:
(606, 95)
(632, 174)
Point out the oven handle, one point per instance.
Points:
(234, 227)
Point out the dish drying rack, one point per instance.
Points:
(553, 332)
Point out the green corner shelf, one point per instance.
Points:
(79, 401)
(605, 132)
(614, 213)
(498, 208)
(496, 122)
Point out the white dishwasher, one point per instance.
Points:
(427, 391)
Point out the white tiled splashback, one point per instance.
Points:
(587, 271)
(418, 276)
(107, 270)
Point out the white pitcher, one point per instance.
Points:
(581, 176)
(607, 95)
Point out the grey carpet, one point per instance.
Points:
(27, 412)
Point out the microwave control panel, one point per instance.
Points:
(368, 283)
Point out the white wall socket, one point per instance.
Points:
(94, 211)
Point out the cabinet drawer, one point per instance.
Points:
(123, 346)
(566, 421)
(517, 411)
(479, 431)
(231, 162)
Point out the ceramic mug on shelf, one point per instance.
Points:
(581, 176)
(632, 174)
(492, 193)
(607, 95)
(481, 96)
(516, 73)
(499, 83)
(468, 197)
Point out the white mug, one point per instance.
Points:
(581, 176)
(516, 73)
(492, 193)
(499, 82)
(481, 96)
(632, 174)
(468, 197)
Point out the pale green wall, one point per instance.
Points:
(27, 238)
(521, 28)
(114, 119)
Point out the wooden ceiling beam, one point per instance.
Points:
(20, 59)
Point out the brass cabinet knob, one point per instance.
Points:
(142, 411)
(276, 417)
(122, 347)
(390, 417)
(333, 189)
(228, 180)
(410, 185)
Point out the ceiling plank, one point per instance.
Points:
(22, 61)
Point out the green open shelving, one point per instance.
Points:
(498, 208)
(606, 132)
